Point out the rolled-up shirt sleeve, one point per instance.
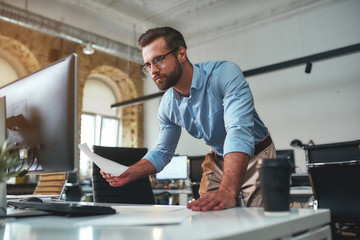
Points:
(238, 111)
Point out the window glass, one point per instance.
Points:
(100, 124)
(98, 97)
(88, 126)
(109, 132)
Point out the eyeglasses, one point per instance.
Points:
(158, 62)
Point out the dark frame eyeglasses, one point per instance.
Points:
(157, 62)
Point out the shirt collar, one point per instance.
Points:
(176, 95)
(195, 83)
(196, 79)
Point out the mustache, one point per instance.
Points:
(159, 75)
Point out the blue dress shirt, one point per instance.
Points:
(220, 109)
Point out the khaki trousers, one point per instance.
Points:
(250, 190)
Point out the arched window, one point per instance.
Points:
(8, 73)
(100, 125)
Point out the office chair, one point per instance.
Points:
(136, 192)
(51, 184)
(195, 174)
(334, 171)
(73, 191)
(332, 152)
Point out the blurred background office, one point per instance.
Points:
(315, 99)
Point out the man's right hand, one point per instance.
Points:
(117, 181)
(140, 169)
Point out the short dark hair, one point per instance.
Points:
(173, 38)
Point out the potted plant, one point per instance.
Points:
(9, 162)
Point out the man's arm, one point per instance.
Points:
(238, 105)
(140, 169)
(235, 165)
(154, 160)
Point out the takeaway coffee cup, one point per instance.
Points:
(275, 185)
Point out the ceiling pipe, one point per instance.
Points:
(45, 25)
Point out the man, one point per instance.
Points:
(211, 100)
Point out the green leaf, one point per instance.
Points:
(9, 161)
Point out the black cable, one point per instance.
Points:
(32, 156)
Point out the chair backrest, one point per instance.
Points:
(333, 152)
(334, 171)
(51, 184)
(337, 187)
(73, 191)
(136, 192)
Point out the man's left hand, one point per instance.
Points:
(213, 201)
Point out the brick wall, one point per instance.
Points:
(31, 50)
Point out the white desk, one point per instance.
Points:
(183, 194)
(296, 193)
(236, 223)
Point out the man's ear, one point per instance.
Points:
(182, 54)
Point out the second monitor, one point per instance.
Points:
(176, 169)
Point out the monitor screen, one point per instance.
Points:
(176, 169)
(42, 117)
(289, 155)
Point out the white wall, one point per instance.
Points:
(322, 106)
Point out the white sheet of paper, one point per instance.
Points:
(108, 166)
(142, 215)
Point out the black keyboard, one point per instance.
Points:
(64, 208)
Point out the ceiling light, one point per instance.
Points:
(88, 49)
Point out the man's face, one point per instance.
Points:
(167, 75)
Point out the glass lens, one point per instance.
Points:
(145, 70)
(158, 62)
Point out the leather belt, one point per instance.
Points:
(260, 146)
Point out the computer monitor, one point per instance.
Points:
(42, 117)
(289, 155)
(176, 169)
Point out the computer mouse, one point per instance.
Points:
(31, 199)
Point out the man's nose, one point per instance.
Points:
(154, 69)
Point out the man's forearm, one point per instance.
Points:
(235, 165)
(141, 169)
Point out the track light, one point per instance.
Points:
(88, 49)
(308, 67)
(296, 143)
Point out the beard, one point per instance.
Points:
(172, 79)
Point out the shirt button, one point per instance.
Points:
(189, 101)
